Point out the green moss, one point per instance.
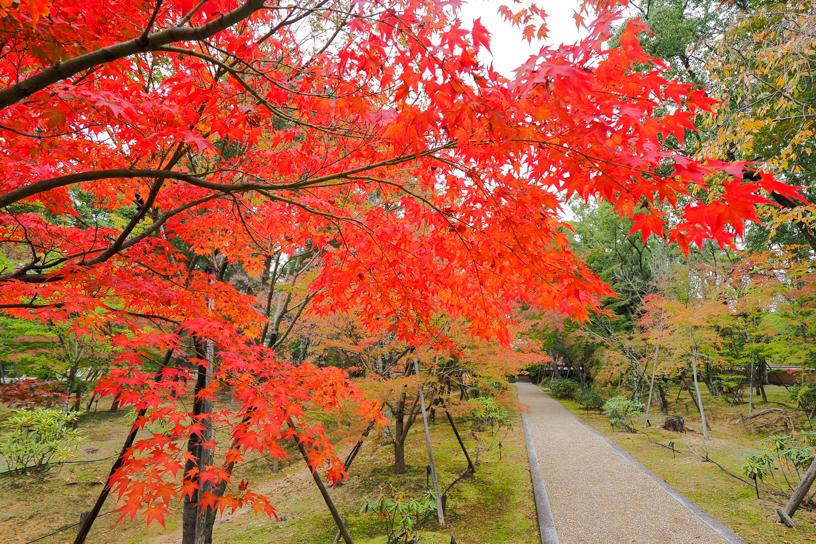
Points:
(493, 507)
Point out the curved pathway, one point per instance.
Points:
(600, 495)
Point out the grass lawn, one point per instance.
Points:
(727, 499)
(493, 506)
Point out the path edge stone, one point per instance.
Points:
(729, 535)
(546, 523)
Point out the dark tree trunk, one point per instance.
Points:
(69, 387)
(78, 398)
(400, 434)
(399, 457)
(404, 417)
(707, 379)
(689, 389)
(193, 518)
(664, 403)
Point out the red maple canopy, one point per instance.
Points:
(141, 140)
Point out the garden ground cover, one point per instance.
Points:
(493, 507)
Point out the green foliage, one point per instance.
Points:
(782, 461)
(38, 439)
(621, 410)
(679, 31)
(50, 351)
(728, 384)
(564, 388)
(26, 346)
(804, 395)
(589, 399)
(403, 518)
(484, 413)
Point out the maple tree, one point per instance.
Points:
(151, 150)
(389, 377)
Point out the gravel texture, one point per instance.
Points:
(597, 496)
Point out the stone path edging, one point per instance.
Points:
(729, 535)
(546, 523)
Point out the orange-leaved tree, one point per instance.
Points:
(148, 147)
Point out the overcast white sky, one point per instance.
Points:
(509, 49)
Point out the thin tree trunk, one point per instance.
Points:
(761, 383)
(699, 398)
(751, 388)
(707, 378)
(646, 422)
(357, 446)
(326, 497)
(471, 468)
(439, 510)
(78, 398)
(664, 402)
(399, 434)
(799, 494)
(691, 392)
(69, 387)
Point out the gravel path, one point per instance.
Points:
(596, 495)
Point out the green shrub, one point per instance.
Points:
(803, 394)
(621, 410)
(403, 519)
(38, 439)
(484, 413)
(589, 399)
(782, 462)
(563, 389)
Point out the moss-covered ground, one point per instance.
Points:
(494, 506)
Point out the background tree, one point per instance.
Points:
(760, 71)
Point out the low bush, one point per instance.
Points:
(804, 395)
(621, 410)
(563, 388)
(38, 439)
(589, 399)
(485, 412)
(403, 518)
(782, 462)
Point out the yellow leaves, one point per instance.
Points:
(761, 70)
(750, 125)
